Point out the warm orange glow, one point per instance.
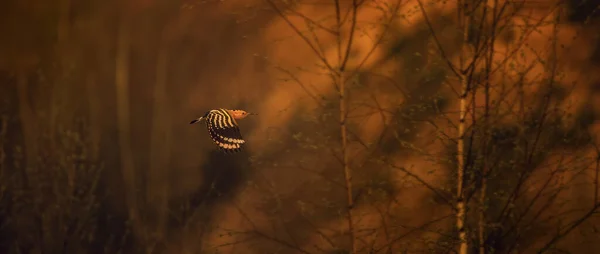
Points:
(288, 182)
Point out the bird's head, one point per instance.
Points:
(239, 114)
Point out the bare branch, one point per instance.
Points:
(351, 36)
(308, 42)
(437, 42)
(573, 225)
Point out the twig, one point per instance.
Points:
(351, 36)
(437, 42)
(259, 233)
(282, 15)
(574, 225)
(424, 225)
(340, 82)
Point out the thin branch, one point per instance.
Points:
(424, 225)
(299, 33)
(437, 42)
(340, 81)
(377, 42)
(423, 182)
(574, 225)
(351, 36)
(259, 233)
(312, 22)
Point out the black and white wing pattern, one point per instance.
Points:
(224, 131)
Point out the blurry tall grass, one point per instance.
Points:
(50, 199)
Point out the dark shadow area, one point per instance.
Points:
(421, 83)
(595, 57)
(583, 10)
(222, 176)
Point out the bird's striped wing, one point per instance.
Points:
(224, 131)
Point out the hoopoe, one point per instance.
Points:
(223, 128)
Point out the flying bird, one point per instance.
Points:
(223, 128)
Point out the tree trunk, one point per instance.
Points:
(94, 127)
(347, 173)
(29, 125)
(461, 211)
(160, 139)
(340, 81)
(60, 90)
(489, 57)
(123, 116)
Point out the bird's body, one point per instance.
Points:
(223, 128)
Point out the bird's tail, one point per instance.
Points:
(197, 120)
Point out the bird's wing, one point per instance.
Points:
(224, 131)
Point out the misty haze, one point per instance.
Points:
(377, 126)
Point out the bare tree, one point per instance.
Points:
(480, 23)
(464, 11)
(340, 76)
